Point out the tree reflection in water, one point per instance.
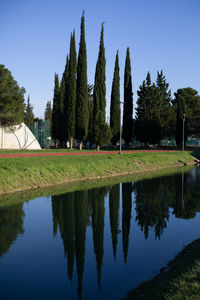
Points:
(73, 212)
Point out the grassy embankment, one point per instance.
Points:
(33, 172)
(179, 280)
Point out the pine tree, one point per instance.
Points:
(167, 120)
(28, 112)
(56, 110)
(61, 128)
(71, 92)
(101, 131)
(11, 99)
(82, 114)
(115, 103)
(128, 101)
(147, 127)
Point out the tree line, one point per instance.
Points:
(79, 109)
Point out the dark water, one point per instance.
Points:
(98, 243)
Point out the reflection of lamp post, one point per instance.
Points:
(120, 129)
(184, 115)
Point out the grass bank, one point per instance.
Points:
(33, 172)
(179, 280)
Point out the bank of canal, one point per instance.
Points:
(21, 173)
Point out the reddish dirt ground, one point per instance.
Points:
(77, 153)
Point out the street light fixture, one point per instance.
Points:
(120, 129)
(184, 115)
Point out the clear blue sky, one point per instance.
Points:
(161, 34)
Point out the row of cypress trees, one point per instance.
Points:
(78, 112)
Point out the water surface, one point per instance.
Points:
(98, 243)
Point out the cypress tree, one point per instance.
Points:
(90, 103)
(28, 112)
(65, 96)
(82, 114)
(61, 130)
(128, 101)
(71, 92)
(115, 103)
(48, 114)
(101, 131)
(56, 111)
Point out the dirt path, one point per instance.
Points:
(78, 153)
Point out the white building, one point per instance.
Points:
(19, 137)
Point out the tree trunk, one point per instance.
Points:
(71, 142)
(80, 145)
(98, 147)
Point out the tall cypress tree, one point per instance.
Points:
(55, 111)
(71, 92)
(48, 114)
(61, 129)
(101, 131)
(65, 95)
(82, 113)
(115, 103)
(128, 101)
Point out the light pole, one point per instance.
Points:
(120, 129)
(184, 115)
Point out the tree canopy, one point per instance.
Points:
(11, 99)
(28, 112)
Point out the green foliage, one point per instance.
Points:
(82, 113)
(147, 131)
(48, 111)
(187, 101)
(28, 112)
(90, 103)
(154, 108)
(101, 130)
(11, 99)
(167, 120)
(11, 225)
(56, 109)
(70, 101)
(115, 103)
(128, 101)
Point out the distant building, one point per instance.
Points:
(19, 137)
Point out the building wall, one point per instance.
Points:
(18, 138)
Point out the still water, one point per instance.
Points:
(98, 243)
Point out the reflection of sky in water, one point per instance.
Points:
(34, 264)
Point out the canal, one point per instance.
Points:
(96, 243)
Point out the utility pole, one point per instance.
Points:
(184, 115)
(120, 129)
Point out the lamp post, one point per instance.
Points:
(184, 115)
(120, 129)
